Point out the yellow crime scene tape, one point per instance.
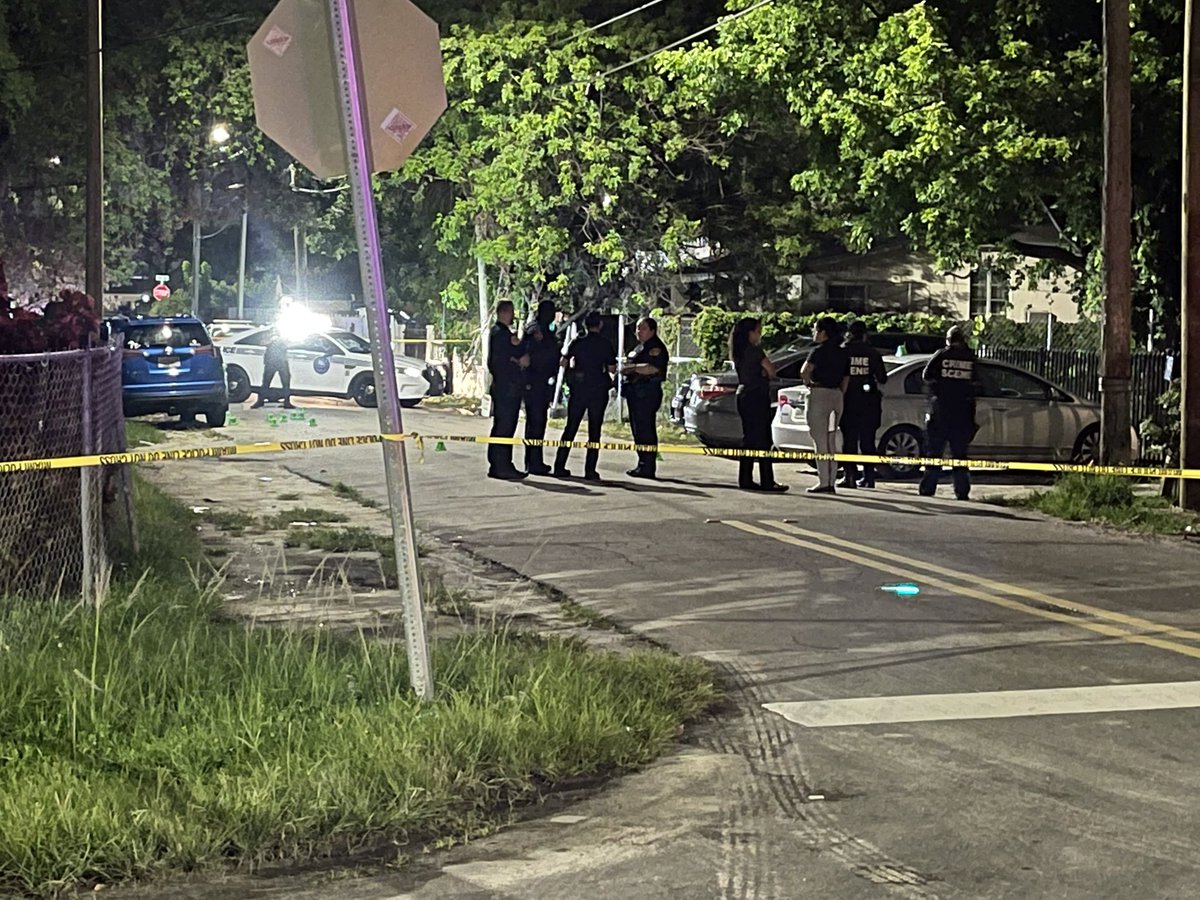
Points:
(420, 440)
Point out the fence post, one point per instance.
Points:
(85, 481)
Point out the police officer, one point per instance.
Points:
(644, 371)
(507, 363)
(275, 361)
(544, 356)
(863, 407)
(590, 364)
(951, 375)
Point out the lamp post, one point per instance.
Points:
(218, 136)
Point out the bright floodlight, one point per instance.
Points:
(296, 323)
(219, 134)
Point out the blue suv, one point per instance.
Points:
(170, 366)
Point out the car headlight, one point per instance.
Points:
(411, 371)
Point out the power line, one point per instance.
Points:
(606, 22)
(683, 40)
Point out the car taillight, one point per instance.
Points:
(712, 392)
(205, 351)
(783, 400)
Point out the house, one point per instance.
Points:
(895, 278)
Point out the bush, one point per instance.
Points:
(712, 325)
(1161, 441)
(67, 322)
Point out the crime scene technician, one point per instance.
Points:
(863, 408)
(590, 363)
(644, 371)
(952, 378)
(506, 363)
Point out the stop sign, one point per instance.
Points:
(160, 292)
(293, 79)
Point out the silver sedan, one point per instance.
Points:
(1020, 417)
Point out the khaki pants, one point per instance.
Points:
(824, 416)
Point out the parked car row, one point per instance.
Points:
(170, 364)
(706, 404)
(1020, 417)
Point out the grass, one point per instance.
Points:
(138, 433)
(347, 492)
(288, 497)
(232, 521)
(284, 518)
(1109, 499)
(147, 736)
(450, 401)
(338, 540)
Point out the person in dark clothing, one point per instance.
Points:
(863, 407)
(275, 361)
(506, 363)
(754, 373)
(644, 371)
(827, 375)
(590, 363)
(952, 377)
(544, 358)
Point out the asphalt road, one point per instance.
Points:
(908, 790)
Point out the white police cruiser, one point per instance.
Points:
(323, 364)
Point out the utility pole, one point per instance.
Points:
(241, 307)
(197, 196)
(1189, 406)
(1118, 211)
(94, 264)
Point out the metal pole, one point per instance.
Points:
(196, 260)
(94, 264)
(356, 134)
(241, 312)
(296, 252)
(85, 483)
(1118, 209)
(1189, 406)
(485, 402)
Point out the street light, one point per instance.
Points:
(218, 135)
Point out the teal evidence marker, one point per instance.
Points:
(901, 590)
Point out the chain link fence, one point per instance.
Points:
(52, 521)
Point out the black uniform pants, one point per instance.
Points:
(537, 410)
(593, 405)
(754, 408)
(506, 409)
(270, 370)
(858, 436)
(955, 429)
(644, 400)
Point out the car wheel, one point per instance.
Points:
(410, 403)
(238, 383)
(362, 390)
(215, 416)
(1087, 447)
(903, 440)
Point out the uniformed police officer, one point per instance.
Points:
(644, 372)
(544, 356)
(952, 379)
(275, 362)
(863, 407)
(590, 364)
(507, 363)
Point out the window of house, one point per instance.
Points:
(846, 297)
(989, 293)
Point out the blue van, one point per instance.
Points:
(169, 365)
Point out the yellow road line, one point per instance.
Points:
(991, 584)
(912, 573)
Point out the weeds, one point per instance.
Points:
(291, 495)
(232, 521)
(142, 433)
(1110, 499)
(352, 493)
(285, 518)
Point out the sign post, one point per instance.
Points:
(370, 84)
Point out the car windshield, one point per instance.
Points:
(166, 334)
(351, 341)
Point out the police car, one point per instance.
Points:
(323, 364)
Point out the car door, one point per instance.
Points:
(246, 352)
(1026, 420)
(311, 362)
